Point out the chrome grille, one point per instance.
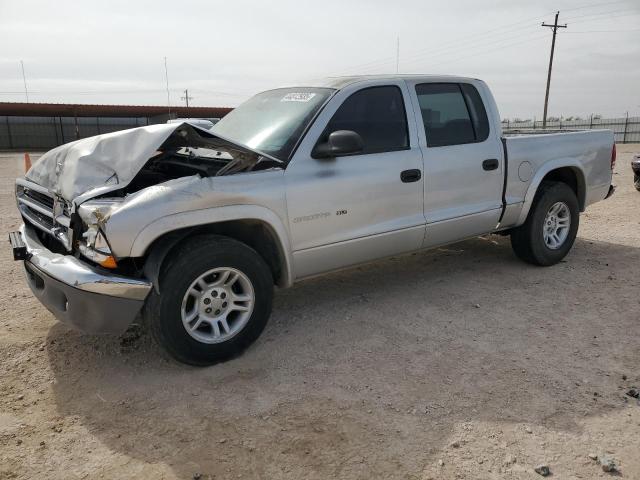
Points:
(36, 206)
(39, 208)
(38, 197)
(38, 219)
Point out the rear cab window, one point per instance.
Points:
(452, 114)
(378, 115)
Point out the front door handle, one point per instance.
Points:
(490, 164)
(408, 176)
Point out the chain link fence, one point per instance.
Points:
(44, 133)
(626, 129)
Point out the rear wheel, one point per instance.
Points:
(551, 227)
(215, 300)
(636, 182)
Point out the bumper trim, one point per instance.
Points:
(83, 310)
(85, 298)
(71, 271)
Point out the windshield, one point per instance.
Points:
(273, 121)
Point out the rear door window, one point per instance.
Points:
(452, 114)
(377, 114)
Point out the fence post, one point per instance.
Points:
(9, 132)
(61, 128)
(98, 124)
(55, 130)
(591, 122)
(534, 123)
(75, 118)
(626, 124)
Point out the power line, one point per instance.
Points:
(583, 7)
(622, 11)
(488, 51)
(453, 44)
(511, 28)
(462, 42)
(555, 28)
(627, 14)
(482, 45)
(416, 57)
(602, 31)
(491, 41)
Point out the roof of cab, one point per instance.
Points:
(341, 82)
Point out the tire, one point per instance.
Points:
(531, 242)
(636, 182)
(205, 260)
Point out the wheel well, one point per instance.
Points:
(571, 177)
(253, 233)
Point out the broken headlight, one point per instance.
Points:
(93, 243)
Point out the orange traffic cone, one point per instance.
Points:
(27, 162)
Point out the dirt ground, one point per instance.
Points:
(459, 363)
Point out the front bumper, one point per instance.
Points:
(90, 300)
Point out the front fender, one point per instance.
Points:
(177, 221)
(542, 172)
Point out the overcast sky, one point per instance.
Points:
(224, 51)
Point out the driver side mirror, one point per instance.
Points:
(339, 144)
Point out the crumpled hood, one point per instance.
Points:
(113, 158)
(109, 160)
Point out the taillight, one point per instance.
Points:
(613, 157)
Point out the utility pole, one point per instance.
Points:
(166, 77)
(24, 80)
(555, 28)
(186, 97)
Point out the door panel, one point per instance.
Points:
(460, 228)
(351, 252)
(463, 161)
(355, 208)
(351, 197)
(456, 185)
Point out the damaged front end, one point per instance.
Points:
(70, 198)
(70, 193)
(101, 213)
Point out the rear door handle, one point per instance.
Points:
(408, 176)
(490, 164)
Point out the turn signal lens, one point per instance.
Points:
(109, 262)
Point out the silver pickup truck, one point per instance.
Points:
(190, 229)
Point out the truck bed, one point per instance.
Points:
(530, 156)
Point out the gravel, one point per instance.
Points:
(342, 387)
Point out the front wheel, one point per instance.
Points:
(636, 182)
(215, 300)
(551, 227)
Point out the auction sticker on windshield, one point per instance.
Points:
(297, 97)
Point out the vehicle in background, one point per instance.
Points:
(635, 166)
(206, 123)
(194, 227)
